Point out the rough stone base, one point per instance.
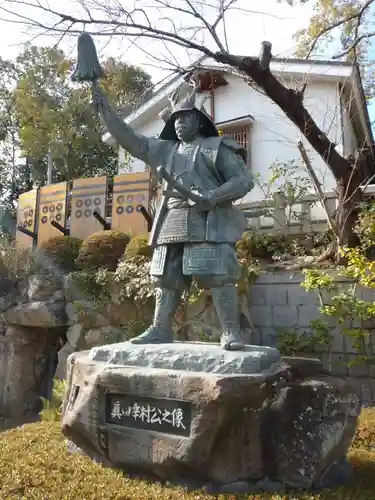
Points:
(26, 369)
(288, 423)
(188, 356)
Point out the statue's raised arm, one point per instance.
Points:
(135, 144)
(88, 69)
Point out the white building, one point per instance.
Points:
(334, 97)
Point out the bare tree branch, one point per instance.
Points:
(354, 44)
(357, 16)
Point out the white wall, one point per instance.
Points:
(273, 136)
(349, 137)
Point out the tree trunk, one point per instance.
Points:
(349, 199)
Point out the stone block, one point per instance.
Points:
(335, 363)
(306, 314)
(372, 387)
(37, 315)
(62, 357)
(258, 295)
(74, 334)
(367, 294)
(276, 295)
(71, 313)
(337, 341)
(348, 344)
(216, 426)
(298, 296)
(359, 370)
(285, 316)
(363, 388)
(261, 315)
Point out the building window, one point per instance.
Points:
(238, 134)
(239, 131)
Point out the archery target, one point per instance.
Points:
(52, 206)
(87, 196)
(26, 218)
(130, 192)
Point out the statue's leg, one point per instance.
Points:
(225, 300)
(222, 283)
(166, 303)
(169, 287)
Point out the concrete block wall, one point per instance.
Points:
(278, 301)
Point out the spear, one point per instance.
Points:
(88, 68)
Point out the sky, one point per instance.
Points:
(246, 30)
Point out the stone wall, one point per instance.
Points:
(278, 301)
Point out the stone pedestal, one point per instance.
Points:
(190, 411)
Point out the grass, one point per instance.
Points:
(34, 464)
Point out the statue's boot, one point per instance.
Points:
(160, 331)
(225, 300)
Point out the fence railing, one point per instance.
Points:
(277, 215)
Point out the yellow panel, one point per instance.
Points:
(130, 192)
(26, 217)
(88, 196)
(52, 206)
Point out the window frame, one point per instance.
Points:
(241, 122)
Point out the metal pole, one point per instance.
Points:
(49, 167)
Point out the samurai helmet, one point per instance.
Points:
(188, 103)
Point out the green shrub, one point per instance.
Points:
(102, 250)
(52, 408)
(364, 437)
(60, 252)
(262, 245)
(365, 227)
(138, 247)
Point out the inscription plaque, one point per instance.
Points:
(168, 416)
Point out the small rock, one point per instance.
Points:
(58, 295)
(73, 334)
(37, 315)
(41, 288)
(71, 313)
(62, 356)
(83, 311)
(93, 337)
(73, 448)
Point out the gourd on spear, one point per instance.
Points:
(87, 68)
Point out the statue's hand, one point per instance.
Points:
(99, 99)
(207, 201)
